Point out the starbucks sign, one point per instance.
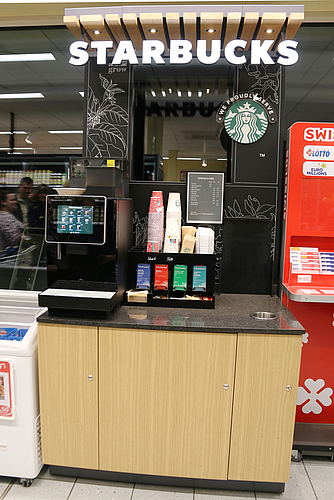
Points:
(246, 117)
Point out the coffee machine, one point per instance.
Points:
(87, 237)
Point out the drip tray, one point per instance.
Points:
(85, 296)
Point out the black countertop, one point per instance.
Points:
(232, 314)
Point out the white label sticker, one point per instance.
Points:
(312, 152)
(319, 168)
(304, 278)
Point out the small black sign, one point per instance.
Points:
(205, 197)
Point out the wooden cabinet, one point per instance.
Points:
(163, 406)
(265, 395)
(169, 403)
(68, 384)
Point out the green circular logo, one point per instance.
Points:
(246, 121)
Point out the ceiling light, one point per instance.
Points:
(82, 94)
(71, 147)
(199, 93)
(204, 164)
(189, 93)
(170, 91)
(26, 95)
(208, 91)
(20, 149)
(47, 56)
(96, 32)
(15, 132)
(153, 30)
(211, 30)
(153, 93)
(188, 158)
(65, 131)
(221, 159)
(269, 31)
(163, 93)
(29, 138)
(179, 93)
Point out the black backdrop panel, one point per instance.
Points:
(245, 264)
(257, 163)
(245, 239)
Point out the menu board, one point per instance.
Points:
(205, 192)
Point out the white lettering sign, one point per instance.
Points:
(229, 52)
(181, 52)
(319, 134)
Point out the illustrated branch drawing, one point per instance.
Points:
(107, 122)
(266, 81)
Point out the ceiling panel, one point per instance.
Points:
(153, 27)
(232, 26)
(173, 25)
(116, 27)
(95, 27)
(211, 24)
(132, 26)
(189, 24)
(248, 30)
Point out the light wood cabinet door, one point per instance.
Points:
(264, 407)
(163, 406)
(68, 382)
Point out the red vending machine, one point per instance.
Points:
(308, 277)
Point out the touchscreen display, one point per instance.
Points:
(75, 219)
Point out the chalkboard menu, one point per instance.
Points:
(205, 197)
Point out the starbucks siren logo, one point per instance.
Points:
(246, 120)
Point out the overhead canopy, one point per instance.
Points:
(184, 22)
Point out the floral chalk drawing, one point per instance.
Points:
(106, 122)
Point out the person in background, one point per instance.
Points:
(36, 212)
(11, 228)
(23, 198)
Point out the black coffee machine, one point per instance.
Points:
(88, 237)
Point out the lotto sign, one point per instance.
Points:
(6, 390)
(313, 148)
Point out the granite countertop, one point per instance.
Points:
(231, 315)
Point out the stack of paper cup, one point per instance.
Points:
(205, 240)
(155, 230)
(173, 224)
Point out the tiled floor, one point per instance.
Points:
(310, 479)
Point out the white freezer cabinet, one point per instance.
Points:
(20, 440)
